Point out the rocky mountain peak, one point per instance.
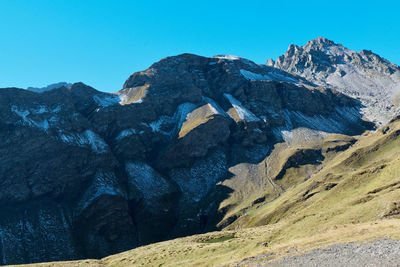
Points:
(319, 42)
(364, 75)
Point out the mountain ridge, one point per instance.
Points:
(187, 146)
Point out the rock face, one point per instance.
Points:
(362, 75)
(85, 174)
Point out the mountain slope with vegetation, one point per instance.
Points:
(353, 197)
(193, 145)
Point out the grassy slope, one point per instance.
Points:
(246, 243)
(248, 188)
(342, 192)
(355, 196)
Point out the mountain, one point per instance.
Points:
(190, 145)
(363, 75)
(350, 204)
(49, 87)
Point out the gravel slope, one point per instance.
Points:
(376, 253)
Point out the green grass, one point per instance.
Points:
(219, 239)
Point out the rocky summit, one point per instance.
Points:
(362, 75)
(186, 147)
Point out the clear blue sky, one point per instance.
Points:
(102, 42)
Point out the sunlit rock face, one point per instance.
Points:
(85, 174)
(363, 75)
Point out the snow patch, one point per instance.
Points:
(280, 77)
(301, 128)
(338, 122)
(44, 109)
(177, 119)
(40, 110)
(87, 138)
(228, 57)
(213, 110)
(104, 183)
(156, 125)
(125, 133)
(272, 75)
(43, 125)
(146, 180)
(254, 76)
(106, 100)
(215, 107)
(244, 114)
(198, 180)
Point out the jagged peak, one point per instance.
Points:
(270, 62)
(321, 40)
(323, 44)
(319, 43)
(292, 47)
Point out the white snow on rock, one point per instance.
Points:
(125, 133)
(162, 120)
(198, 180)
(177, 119)
(156, 125)
(146, 180)
(243, 113)
(182, 113)
(280, 77)
(84, 139)
(23, 113)
(273, 75)
(338, 122)
(43, 109)
(228, 57)
(104, 183)
(214, 107)
(106, 100)
(301, 128)
(254, 76)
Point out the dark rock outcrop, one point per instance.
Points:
(87, 174)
